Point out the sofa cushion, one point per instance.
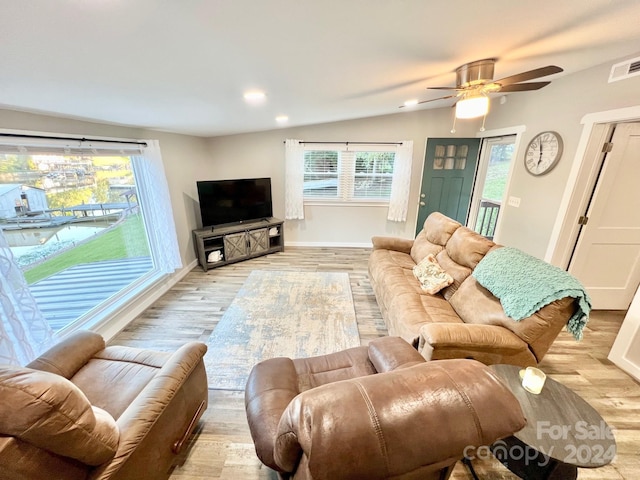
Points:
(407, 312)
(431, 276)
(439, 228)
(476, 304)
(432, 238)
(123, 372)
(467, 248)
(458, 272)
(423, 247)
(55, 415)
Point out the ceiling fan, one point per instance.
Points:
(475, 80)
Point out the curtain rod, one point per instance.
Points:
(353, 143)
(83, 139)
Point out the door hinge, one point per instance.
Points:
(607, 147)
(583, 220)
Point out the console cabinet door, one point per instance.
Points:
(258, 240)
(235, 245)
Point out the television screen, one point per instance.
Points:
(234, 201)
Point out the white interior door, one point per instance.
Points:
(607, 255)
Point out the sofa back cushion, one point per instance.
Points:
(435, 234)
(467, 248)
(462, 253)
(51, 413)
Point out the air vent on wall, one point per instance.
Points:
(627, 69)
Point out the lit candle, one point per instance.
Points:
(533, 380)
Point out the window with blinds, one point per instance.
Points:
(348, 175)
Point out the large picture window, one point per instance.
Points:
(75, 220)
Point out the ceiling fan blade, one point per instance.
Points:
(432, 100)
(444, 88)
(436, 99)
(529, 75)
(523, 87)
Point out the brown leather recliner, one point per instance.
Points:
(375, 412)
(86, 411)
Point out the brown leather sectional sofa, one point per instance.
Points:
(464, 320)
(85, 411)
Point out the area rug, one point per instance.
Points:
(280, 314)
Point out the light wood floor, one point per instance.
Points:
(221, 448)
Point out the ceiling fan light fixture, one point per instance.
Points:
(472, 106)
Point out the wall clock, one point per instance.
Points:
(543, 153)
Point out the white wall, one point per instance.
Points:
(262, 154)
(625, 351)
(559, 106)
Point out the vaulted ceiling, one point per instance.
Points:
(183, 66)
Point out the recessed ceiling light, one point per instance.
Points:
(282, 119)
(254, 96)
(411, 103)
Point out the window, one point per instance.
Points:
(74, 220)
(349, 175)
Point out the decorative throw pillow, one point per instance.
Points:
(431, 276)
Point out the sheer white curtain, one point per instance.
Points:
(24, 333)
(399, 199)
(294, 180)
(154, 196)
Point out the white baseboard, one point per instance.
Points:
(328, 244)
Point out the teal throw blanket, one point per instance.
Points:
(524, 284)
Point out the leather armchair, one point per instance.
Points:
(83, 410)
(375, 412)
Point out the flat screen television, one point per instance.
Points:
(234, 201)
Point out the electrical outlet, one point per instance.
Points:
(514, 201)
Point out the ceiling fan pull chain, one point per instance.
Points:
(484, 119)
(453, 129)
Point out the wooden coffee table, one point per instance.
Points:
(563, 432)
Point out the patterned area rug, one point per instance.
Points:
(280, 314)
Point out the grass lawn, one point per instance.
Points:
(496, 181)
(126, 240)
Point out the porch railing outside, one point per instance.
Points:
(487, 218)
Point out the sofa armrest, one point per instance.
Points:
(389, 353)
(70, 355)
(386, 425)
(467, 335)
(471, 337)
(392, 243)
(142, 414)
(50, 413)
(271, 385)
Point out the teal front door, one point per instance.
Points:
(447, 179)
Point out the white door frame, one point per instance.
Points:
(580, 182)
(477, 189)
(576, 196)
(481, 177)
